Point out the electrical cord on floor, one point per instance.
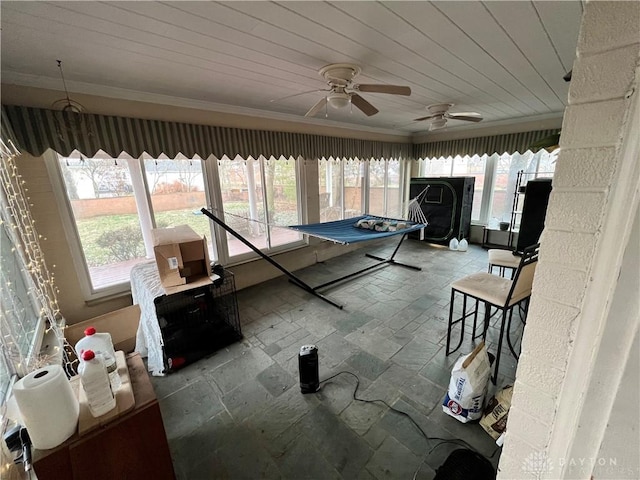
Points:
(443, 441)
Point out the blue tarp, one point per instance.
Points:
(345, 231)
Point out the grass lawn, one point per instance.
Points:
(91, 229)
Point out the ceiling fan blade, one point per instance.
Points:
(467, 116)
(363, 105)
(427, 117)
(298, 94)
(377, 88)
(320, 104)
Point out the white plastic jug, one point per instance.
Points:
(453, 244)
(101, 344)
(463, 245)
(96, 384)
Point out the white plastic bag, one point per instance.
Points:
(468, 386)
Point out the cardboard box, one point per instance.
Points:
(121, 324)
(182, 258)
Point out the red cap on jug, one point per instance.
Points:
(90, 331)
(88, 355)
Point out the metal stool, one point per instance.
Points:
(493, 291)
(503, 259)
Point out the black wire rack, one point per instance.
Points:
(197, 322)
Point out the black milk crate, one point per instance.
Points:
(197, 322)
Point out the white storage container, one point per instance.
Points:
(96, 384)
(101, 344)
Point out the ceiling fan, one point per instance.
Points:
(439, 114)
(344, 91)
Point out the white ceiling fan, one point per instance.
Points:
(439, 114)
(344, 91)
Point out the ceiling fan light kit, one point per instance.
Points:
(338, 99)
(343, 91)
(438, 123)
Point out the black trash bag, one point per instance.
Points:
(464, 464)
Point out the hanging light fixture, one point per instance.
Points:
(70, 117)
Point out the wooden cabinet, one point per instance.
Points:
(133, 446)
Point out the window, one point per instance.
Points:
(257, 195)
(385, 188)
(495, 178)
(436, 167)
(330, 181)
(341, 184)
(20, 324)
(115, 203)
(467, 166)
(177, 193)
(540, 164)
(472, 167)
(100, 193)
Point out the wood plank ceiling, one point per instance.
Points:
(503, 59)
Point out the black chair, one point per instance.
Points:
(503, 260)
(497, 292)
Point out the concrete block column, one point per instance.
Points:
(568, 359)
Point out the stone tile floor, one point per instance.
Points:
(239, 413)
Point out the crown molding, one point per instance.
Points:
(224, 112)
(74, 87)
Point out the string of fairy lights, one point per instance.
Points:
(25, 241)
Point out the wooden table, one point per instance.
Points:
(132, 446)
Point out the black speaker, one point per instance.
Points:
(534, 211)
(446, 205)
(308, 369)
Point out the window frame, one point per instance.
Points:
(35, 342)
(217, 204)
(72, 235)
(147, 217)
(490, 177)
(404, 176)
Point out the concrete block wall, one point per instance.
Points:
(590, 168)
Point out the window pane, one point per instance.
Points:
(546, 163)
(241, 188)
(507, 170)
(104, 210)
(330, 183)
(377, 169)
(501, 202)
(353, 180)
(244, 185)
(472, 167)
(436, 167)
(176, 188)
(282, 200)
(393, 189)
(384, 188)
(19, 314)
